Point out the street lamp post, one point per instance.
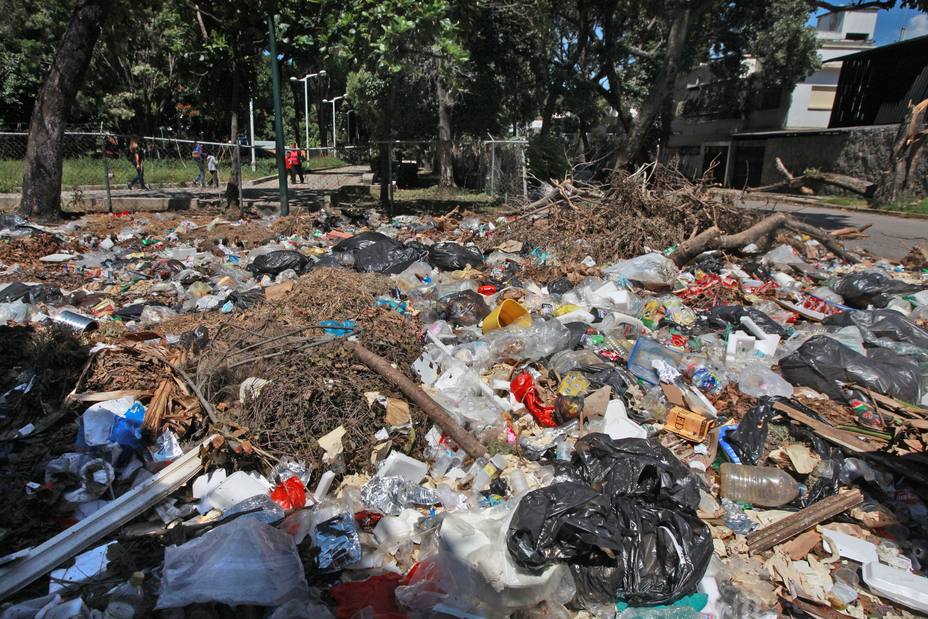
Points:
(332, 101)
(305, 80)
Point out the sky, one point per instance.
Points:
(889, 24)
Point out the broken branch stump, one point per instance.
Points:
(430, 407)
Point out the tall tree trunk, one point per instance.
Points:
(907, 177)
(547, 113)
(41, 193)
(385, 132)
(445, 158)
(662, 85)
(232, 187)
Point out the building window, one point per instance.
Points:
(830, 22)
(822, 97)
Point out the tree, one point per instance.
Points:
(41, 192)
(389, 43)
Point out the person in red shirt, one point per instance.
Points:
(294, 163)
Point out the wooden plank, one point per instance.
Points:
(844, 438)
(804, 519)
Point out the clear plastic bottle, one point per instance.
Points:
(759, 485)
(127, 601)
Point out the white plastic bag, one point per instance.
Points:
(649, 269)
(244, 562)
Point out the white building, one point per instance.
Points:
(705, 127)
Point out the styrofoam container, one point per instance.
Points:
(897, 585)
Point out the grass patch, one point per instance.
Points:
(920, 206)
(89, 171)
(437, 200)
(845, 201)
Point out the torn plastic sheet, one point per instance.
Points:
(886, 328)
(390, 495)
(337, 542)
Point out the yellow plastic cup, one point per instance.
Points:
(507, 313)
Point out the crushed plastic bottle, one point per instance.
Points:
(758, 485)
(736, 519)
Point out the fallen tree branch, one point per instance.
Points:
(712, 238)
(859, 186)
(430, 407)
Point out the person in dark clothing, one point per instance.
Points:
(137, 157)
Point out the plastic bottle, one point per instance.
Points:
(758, 485)
(127, 600)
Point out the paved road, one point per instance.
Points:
(888, 237)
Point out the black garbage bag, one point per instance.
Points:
(560, 286)
(277, 262)
(245, 298)
(724, 315)
(341, 259)
(454, 256)
(465, 308)
(618, 547)
(389, 259)
(822, 363)
(360, 241)
(871, 288)
(747, 440)
(886, 328)
(134, 311)
(634, 467)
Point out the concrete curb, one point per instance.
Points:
(798, 200)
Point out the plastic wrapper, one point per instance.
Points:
(337, 542)
(390, 495)
(454, 256)
(758, 381)
(735, 518)
(653, 270)
(886, 328)
(243, 562)
(94, 475)
(260, 508)
(783, 255)
(615, 546)
(870, 288)
(823, 363)
(279, 261)
(465, 308)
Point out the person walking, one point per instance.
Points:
(212, 165)
(137, 157)
(201, 164)
(295, 164)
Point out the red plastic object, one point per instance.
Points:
(523, 388)
(367, 520)
(290, 494)
(377, 593)
(487, 290)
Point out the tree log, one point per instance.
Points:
(41, 193)
(713, 239)
(848, 183)
(430, 407)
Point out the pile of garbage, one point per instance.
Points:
(340, 415)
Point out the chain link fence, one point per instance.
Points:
(168, 161)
